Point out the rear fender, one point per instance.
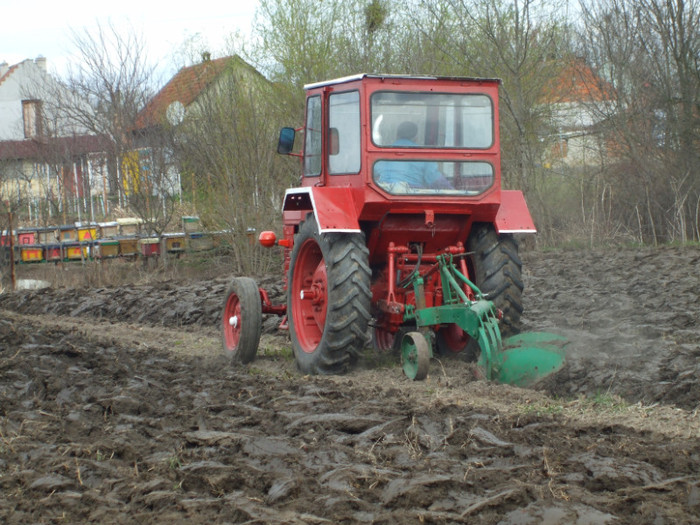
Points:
(513, 216)
(334, 208)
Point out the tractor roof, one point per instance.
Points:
(360, 76)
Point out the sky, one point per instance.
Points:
(43, 28)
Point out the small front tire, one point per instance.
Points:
(241, 320)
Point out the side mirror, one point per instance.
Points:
(286, 141)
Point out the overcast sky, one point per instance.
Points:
(40, 27)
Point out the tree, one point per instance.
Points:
(109, 80)
(648, 51)
(226, 146)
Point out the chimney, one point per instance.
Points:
(4, 68)
(41, 62)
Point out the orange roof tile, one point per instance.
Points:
(8, 73)
(184, 87)
(577, 82)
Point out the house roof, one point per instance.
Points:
(184, 87)
(9, 72)
(577, 82)
(53, 148)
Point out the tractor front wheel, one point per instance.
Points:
(328, 299)
(241, 321)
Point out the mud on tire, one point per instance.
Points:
(497, 270)
(328, 299)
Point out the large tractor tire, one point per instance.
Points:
(498, 273)
(241, 320)
(328, 299)
(495, 268)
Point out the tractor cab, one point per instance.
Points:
(402, 136)
(402, 145)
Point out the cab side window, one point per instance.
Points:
(312, 138)
(344, 134)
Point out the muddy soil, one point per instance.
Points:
(117, 407)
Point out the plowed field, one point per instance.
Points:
(116, 406)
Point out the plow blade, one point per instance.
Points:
(524, 359)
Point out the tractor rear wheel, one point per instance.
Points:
(497, 269)
(241, 321)
(451, 339)
(328, 299)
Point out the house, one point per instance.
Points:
(181, 98)
(48, 164)
(183, 92)
(574, 99)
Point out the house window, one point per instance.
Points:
(31, 113)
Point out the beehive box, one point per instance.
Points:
(31, 253)
(46, 235)
(107, 248)
(5, 238)
(53, 252)
(129, 226)
(26, 236)
(199, 242)
(128, 246)
(174, 242)
(149, 246)
(87, 232)
(190, 224)
(108, 230)
(67, 233)
(75, 251)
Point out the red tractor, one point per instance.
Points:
(401, 230)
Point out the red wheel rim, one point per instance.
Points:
(232, 322)
(455, 338)
(309, 295)
(383, 339)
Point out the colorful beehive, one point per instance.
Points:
(26, 236)
(190, 224)
(53, 252)
(108, 230)
(46, 235)
(73, 251)
(67, 233)
(149, 246)
(107, 248)
(87, 232)
(128, 246)
(129, 226)
(174, 242)
(5, 238)
(31, 253)
(199, 242)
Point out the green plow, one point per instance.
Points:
(519, 360)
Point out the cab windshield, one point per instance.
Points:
(424, 177)
(431, 120)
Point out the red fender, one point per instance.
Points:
(334, 208)
(513, 215)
